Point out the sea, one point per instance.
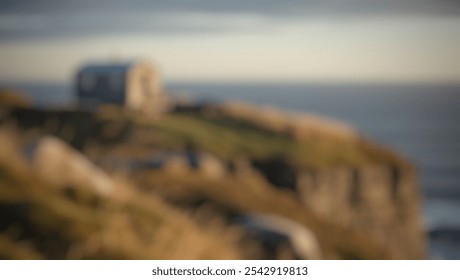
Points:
(420, 121)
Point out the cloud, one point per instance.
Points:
(274, 7)
(410, 40)
(58, 18)
(18, 23)
(13, 27)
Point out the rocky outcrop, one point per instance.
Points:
(382, 201)
(296, 124)
(275, 229)
(60, 165)
(360, 201)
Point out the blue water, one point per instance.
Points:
(420, 121)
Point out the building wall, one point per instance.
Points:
(143, 88)
(95, 88)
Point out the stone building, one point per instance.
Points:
(134, 85)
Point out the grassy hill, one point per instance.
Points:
(170, 209)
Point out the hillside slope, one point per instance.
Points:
(183, 179)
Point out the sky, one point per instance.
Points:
(240, 40)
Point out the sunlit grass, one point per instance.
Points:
(229, 138)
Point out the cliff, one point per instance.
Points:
(203, 167)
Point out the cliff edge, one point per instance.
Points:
(200, 168)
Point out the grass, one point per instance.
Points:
(220, 135)
(235, 196)
(223, 140)
(56, 223)
(154, 215)
(229, 138)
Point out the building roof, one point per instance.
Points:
(115, 67)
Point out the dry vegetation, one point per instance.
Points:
(43, 221)
(169, 213)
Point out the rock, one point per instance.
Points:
(211, 166)
(275, 229)
(370, 199)
(61, 166)
(298, 125)
(176, 164)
